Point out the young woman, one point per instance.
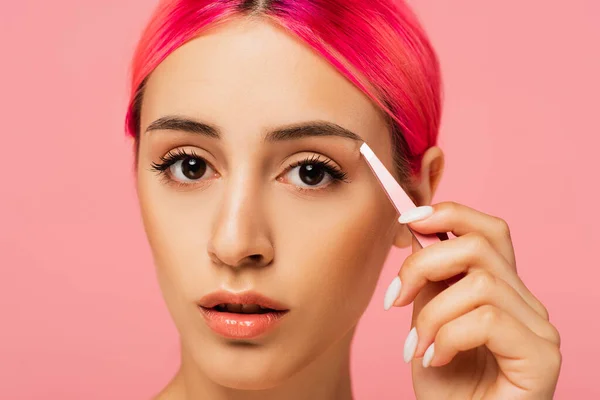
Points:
(268, 229)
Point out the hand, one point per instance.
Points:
(485, 336)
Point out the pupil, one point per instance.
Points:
(193, 168)
(311, 174)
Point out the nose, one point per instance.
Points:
(240, 235)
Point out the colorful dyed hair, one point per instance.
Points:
(378, 45)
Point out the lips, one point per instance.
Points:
(241, 299)
(242, 308)
(241, 316)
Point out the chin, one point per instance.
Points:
(249, 370)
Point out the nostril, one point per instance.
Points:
(256, 257)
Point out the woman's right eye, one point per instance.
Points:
(182, 167)
(189, 169)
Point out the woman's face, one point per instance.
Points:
(251, 209)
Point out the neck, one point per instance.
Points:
(326, 377)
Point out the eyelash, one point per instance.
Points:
(172, 157)
(337, 174)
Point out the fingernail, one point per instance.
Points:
(428, 355)
(410, 345)
(415, 214)
(392, 293)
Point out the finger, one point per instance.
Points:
(448, 259)
(416, 246)
(460, 220)
(519, 352)
(478, 288)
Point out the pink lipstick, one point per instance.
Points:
(247, 315)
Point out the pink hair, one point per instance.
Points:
(381, 40)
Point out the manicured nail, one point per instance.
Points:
(391, 294)
(410, 345)
(428, 355)
(415, 214)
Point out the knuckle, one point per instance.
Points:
(490, 316)
(477, 242)
(450, 206)
(554, 335)
(502, 227)
(553, 358)
(543, 311)
(538, 307)
(556, 358)
(482, 282)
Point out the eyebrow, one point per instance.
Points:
(288, 132)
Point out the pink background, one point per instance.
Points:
(81, 313)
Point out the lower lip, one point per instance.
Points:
(241, 326)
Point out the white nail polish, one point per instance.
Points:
(415, 214)
(428, 355)
(410, 345)
(391, 294)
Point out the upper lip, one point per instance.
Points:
(223, 297)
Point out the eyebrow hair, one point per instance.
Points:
(288, 132)
(174, 123)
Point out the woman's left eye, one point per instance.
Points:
(313, 173)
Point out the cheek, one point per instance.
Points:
(177, 232)
(351, 257)
(335, 257)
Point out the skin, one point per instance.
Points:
(251, 223)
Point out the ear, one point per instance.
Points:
(432, 168)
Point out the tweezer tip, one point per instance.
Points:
(366, 151)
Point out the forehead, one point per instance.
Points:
(248, 74)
